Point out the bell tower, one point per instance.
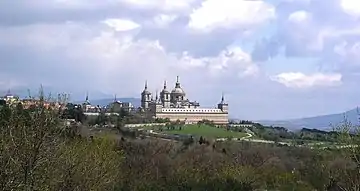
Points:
(165, 96)
(145, 97)
(223, 105)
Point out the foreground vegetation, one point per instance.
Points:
(39, 152)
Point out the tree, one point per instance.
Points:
(349, 136)
(74, 111)
(37, 152)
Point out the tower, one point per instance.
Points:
(223, 105)
(86, 105)
(177, 94)
(158, 104)
(145, 97)
(165, 96)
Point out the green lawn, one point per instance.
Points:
(205, 131)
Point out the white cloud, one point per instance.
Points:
(104, 56)
(351, 7)
(300, 80)
(230, 14)
(163, 20)
(164, 5)
(299, 16)
(121, 24)
(231, 61)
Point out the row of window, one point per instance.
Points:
(193, 110)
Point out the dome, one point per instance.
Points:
(165, 91)
(178, 90)
(146, 92)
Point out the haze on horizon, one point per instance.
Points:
(273, 59)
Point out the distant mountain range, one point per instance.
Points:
(323, 122)
(104, 102)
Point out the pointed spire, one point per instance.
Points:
(177, 85)
(157, 97)
(146, 85)
(115, 99)
(222, 98)
(87, 96)
(164, 84)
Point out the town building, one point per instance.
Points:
(118, 106)
(113, 108)
(88, 108)
(175, 106)
(10, 98)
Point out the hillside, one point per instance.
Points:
(323, 122)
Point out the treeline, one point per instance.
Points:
(275, 133)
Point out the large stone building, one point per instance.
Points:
(175, 106)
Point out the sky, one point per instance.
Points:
(272, 59)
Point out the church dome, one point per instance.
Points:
(165, 91)
(178, 91)
(146, 92)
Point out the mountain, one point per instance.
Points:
(24, 92)
(104, 102)
(323, 122)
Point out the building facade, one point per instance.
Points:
(10, 98)
(175, 106)
(112, 108)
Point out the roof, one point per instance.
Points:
(178, 90)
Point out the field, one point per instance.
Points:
(205, 131)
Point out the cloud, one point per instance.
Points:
(260, 53)
(121, 24)
(229, 14)
(164, 5)
(163, 20)
(100, 54)
(351, 7)
(300, 80)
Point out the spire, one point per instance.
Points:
(164, 84)
(156, 98)
(87, 96)
(115, 99)
(146, 85)
(222, 98)
(177, 85)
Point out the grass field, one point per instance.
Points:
(205, 131)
